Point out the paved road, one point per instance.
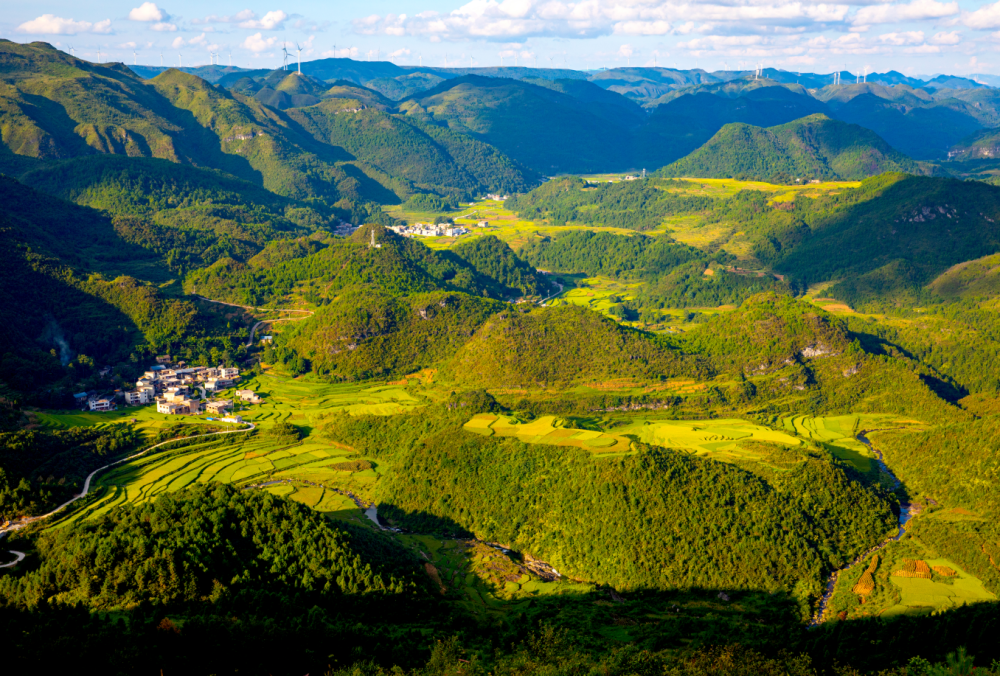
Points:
(250, 307)
(86, 484)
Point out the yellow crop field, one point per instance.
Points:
(866, 585)
(717, 439)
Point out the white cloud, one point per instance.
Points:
(984, 18)
(177, 43)
(49, 24)
(258, 43)
(148, 11)
(200, 40)
(164, 27)
(269, 22)
(952, 38)
(493, 20)
(917, 10)
(398, 53)
(128, 45)
(907, 38)
(343, 53)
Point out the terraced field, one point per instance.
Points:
(839, 433)
(717, 439)
(240, 460)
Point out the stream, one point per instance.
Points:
(905, 512)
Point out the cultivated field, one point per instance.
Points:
(910, 579)
(716, 439)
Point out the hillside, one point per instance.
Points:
(438, 160)
(517, 117)
(813, 147)
(981, 145)
(191, 217)
(898, 234)
(554, 347)
(70, 292)
(680, 126)
(367, 334)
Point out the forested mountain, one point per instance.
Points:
(68, 293)
(184, 119)
(813, 147)
(430, 157)
(517, 117)
(625, 425)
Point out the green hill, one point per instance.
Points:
(69, 288)
(398, 266)
(556, 347)
(430, 158)
(546, 130)
(895, 234)
(682, 125)
(812, 147)
(367, 334)
(191, 217)
(978, 278)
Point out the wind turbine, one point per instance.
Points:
(98, 55)
(284, 49)
(230, 58)
(180, 61)
(71, 52)
(161, 59)
(299, 50)
(134, 58)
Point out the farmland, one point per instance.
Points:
(910, 579)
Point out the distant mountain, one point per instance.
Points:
(214, 74)
(811, 147)
(923, 133)
(679, 127)
(547, 130)
(430, 157)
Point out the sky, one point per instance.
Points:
(915, 37)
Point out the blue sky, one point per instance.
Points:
(912, 36)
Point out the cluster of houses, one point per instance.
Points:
(344, 229)
(497, 197)
(173, 390)
(430, 230)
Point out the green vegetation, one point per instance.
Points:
(813, 147)
(650, 458)
(637, 205)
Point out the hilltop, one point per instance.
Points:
(813, 147)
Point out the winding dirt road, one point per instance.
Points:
(86, 485)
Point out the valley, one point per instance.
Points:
(700, 377)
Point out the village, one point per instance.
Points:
(178, 390)
(430, 230)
